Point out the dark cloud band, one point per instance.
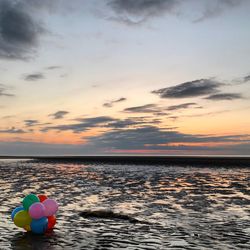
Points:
(148, 108)
(34, 77)
(194, 88)
(224, 96)
(135, 12)
(19, 30)
(12, 130)
(59, 114)
(111, 103)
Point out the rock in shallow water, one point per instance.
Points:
(108, 214)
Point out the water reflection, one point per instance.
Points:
(25, 241)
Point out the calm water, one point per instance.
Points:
(178, 207)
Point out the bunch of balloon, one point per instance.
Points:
(37, 214)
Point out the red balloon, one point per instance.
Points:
(51, 222)
(42, 197)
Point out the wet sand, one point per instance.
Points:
(121, 206)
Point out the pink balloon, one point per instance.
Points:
(37, 210)
(51, 207)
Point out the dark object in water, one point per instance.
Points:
(108, 214)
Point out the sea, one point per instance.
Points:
(129, 206)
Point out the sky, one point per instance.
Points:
(97, 77)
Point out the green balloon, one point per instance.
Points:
(29, 200)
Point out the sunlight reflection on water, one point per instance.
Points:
(193, 208)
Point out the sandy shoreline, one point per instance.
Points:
(108, 206)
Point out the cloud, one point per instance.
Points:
(124, 123)
(111, 103)
(246, 78)
(47, 5)
(132, 12)
(20, 147)
(85, 124)
(216, 8)
(152, 137)
(82, 125)
(224, 96)
(123, 137)
(131, 122)
(148, 108)
(8, 117)
(21, 27)
(34, 77)
(53, 67)
(182, 106)
(240, 80)
(28, 148)
(12, 130)
(30, 123)
(3, 89)
(59, 114)
(194, 88)
(19, 31)
(208, 113)
(95, 120)
(156, 110)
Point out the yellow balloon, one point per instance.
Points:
(27, 228)
(22, 218)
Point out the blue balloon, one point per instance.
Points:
(39, 226)
(17, 209)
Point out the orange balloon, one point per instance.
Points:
(27, 228)
(51, 222)
(42, 197)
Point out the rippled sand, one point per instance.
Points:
(175, 207)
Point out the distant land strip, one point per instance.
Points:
(211, 161)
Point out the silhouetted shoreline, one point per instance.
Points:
(210, 161)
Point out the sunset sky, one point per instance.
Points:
(124, 77)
